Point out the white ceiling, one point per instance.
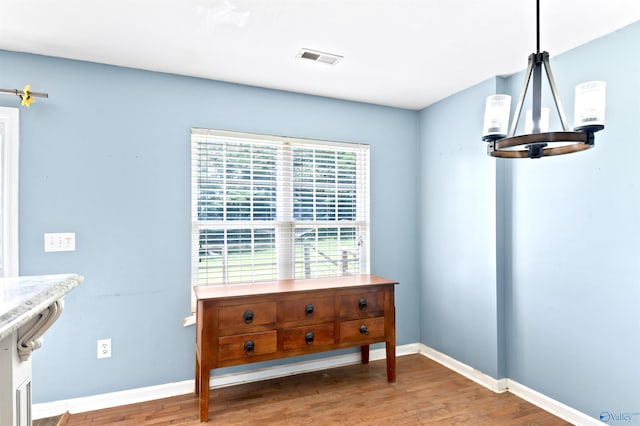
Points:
(402, 53)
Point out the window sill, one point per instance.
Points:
(190, 320)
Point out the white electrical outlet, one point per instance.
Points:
(60, 241)
(104, 348)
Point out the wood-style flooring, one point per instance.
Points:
(425, 393)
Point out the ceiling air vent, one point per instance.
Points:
(314, 55)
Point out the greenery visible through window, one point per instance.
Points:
(266, 207)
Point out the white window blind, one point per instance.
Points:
(266, 207)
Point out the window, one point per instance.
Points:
(9, 191)
(266, 207)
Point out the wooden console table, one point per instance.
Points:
(245, 323)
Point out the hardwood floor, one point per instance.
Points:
(425, 393)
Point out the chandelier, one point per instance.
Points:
(537, 141)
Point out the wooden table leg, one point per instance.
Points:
(364, 354)
(390, 332)
(197, 375)
(391, 361)
(203, 381)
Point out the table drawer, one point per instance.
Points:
(361, 329)
(363, 303)
(246, 316)
(305, 337)
(247, 345)
(317, 308)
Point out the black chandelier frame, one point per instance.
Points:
(536, 144)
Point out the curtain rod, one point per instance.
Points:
(26, 95)
(20, 93)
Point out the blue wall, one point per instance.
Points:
(567, 240)
(107, 157)
(573, 292)
(458, 233)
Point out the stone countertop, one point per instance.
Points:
(22, 298)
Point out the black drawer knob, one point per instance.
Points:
(248, 316)
(308, 338)
(308, 310)
(249, 347)
(364, 330)
(362, 304)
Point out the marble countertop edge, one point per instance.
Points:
(33, 294)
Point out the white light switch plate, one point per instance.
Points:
(60, 242)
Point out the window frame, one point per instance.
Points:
(285, 223)
(9, 163)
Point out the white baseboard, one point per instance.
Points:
(551, 405)
(496, 385)
(554, 407)
(109, 400)
(149, 393)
